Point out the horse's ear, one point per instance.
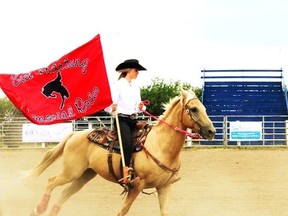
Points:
(184, 95)
(187, 95)
(183, 92)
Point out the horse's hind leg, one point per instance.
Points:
(42, 206)
(72, 189)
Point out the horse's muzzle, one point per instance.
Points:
(207, 132)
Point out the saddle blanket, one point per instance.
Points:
(108, 139)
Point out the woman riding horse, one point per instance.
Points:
(157, 165)
(127, 102)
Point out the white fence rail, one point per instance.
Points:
(19, 132)
(274, 131)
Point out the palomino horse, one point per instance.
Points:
(157, 167)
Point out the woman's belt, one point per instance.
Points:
(133, 116)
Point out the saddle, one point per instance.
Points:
(108, 139)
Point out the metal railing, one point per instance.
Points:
(274, 130)
(11, 129)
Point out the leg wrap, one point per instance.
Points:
(55, 210)
(43, 204)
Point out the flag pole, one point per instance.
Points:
(120, 139)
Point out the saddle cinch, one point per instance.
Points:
(108, 139)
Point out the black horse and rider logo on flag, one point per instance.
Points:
(51, 89)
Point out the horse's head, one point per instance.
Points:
(195, 116)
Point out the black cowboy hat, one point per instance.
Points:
(130, 63)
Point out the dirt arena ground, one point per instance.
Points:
(217, 182)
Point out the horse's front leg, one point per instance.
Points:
(163, 198)
(131, 196)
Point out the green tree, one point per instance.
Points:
(160, 92)
(5, 106)
(7, 109)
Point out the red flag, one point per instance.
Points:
(74, 86)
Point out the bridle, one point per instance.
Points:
(147, 102)
(190, 114)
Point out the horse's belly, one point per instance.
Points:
(98, 161)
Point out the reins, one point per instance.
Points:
(147, 102)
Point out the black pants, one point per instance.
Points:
(127, 129)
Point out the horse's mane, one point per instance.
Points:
(168, 107)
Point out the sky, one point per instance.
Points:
(174, 40)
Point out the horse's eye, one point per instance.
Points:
(193, 109)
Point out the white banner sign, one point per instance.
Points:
(245, 131)
(45, 133)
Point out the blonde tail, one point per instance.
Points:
(50, 157)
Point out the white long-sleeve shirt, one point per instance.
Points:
(126, 95)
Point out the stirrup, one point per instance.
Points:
(130, 185)
(122, 180)
(127, 174)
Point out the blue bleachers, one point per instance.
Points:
(248, 94)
